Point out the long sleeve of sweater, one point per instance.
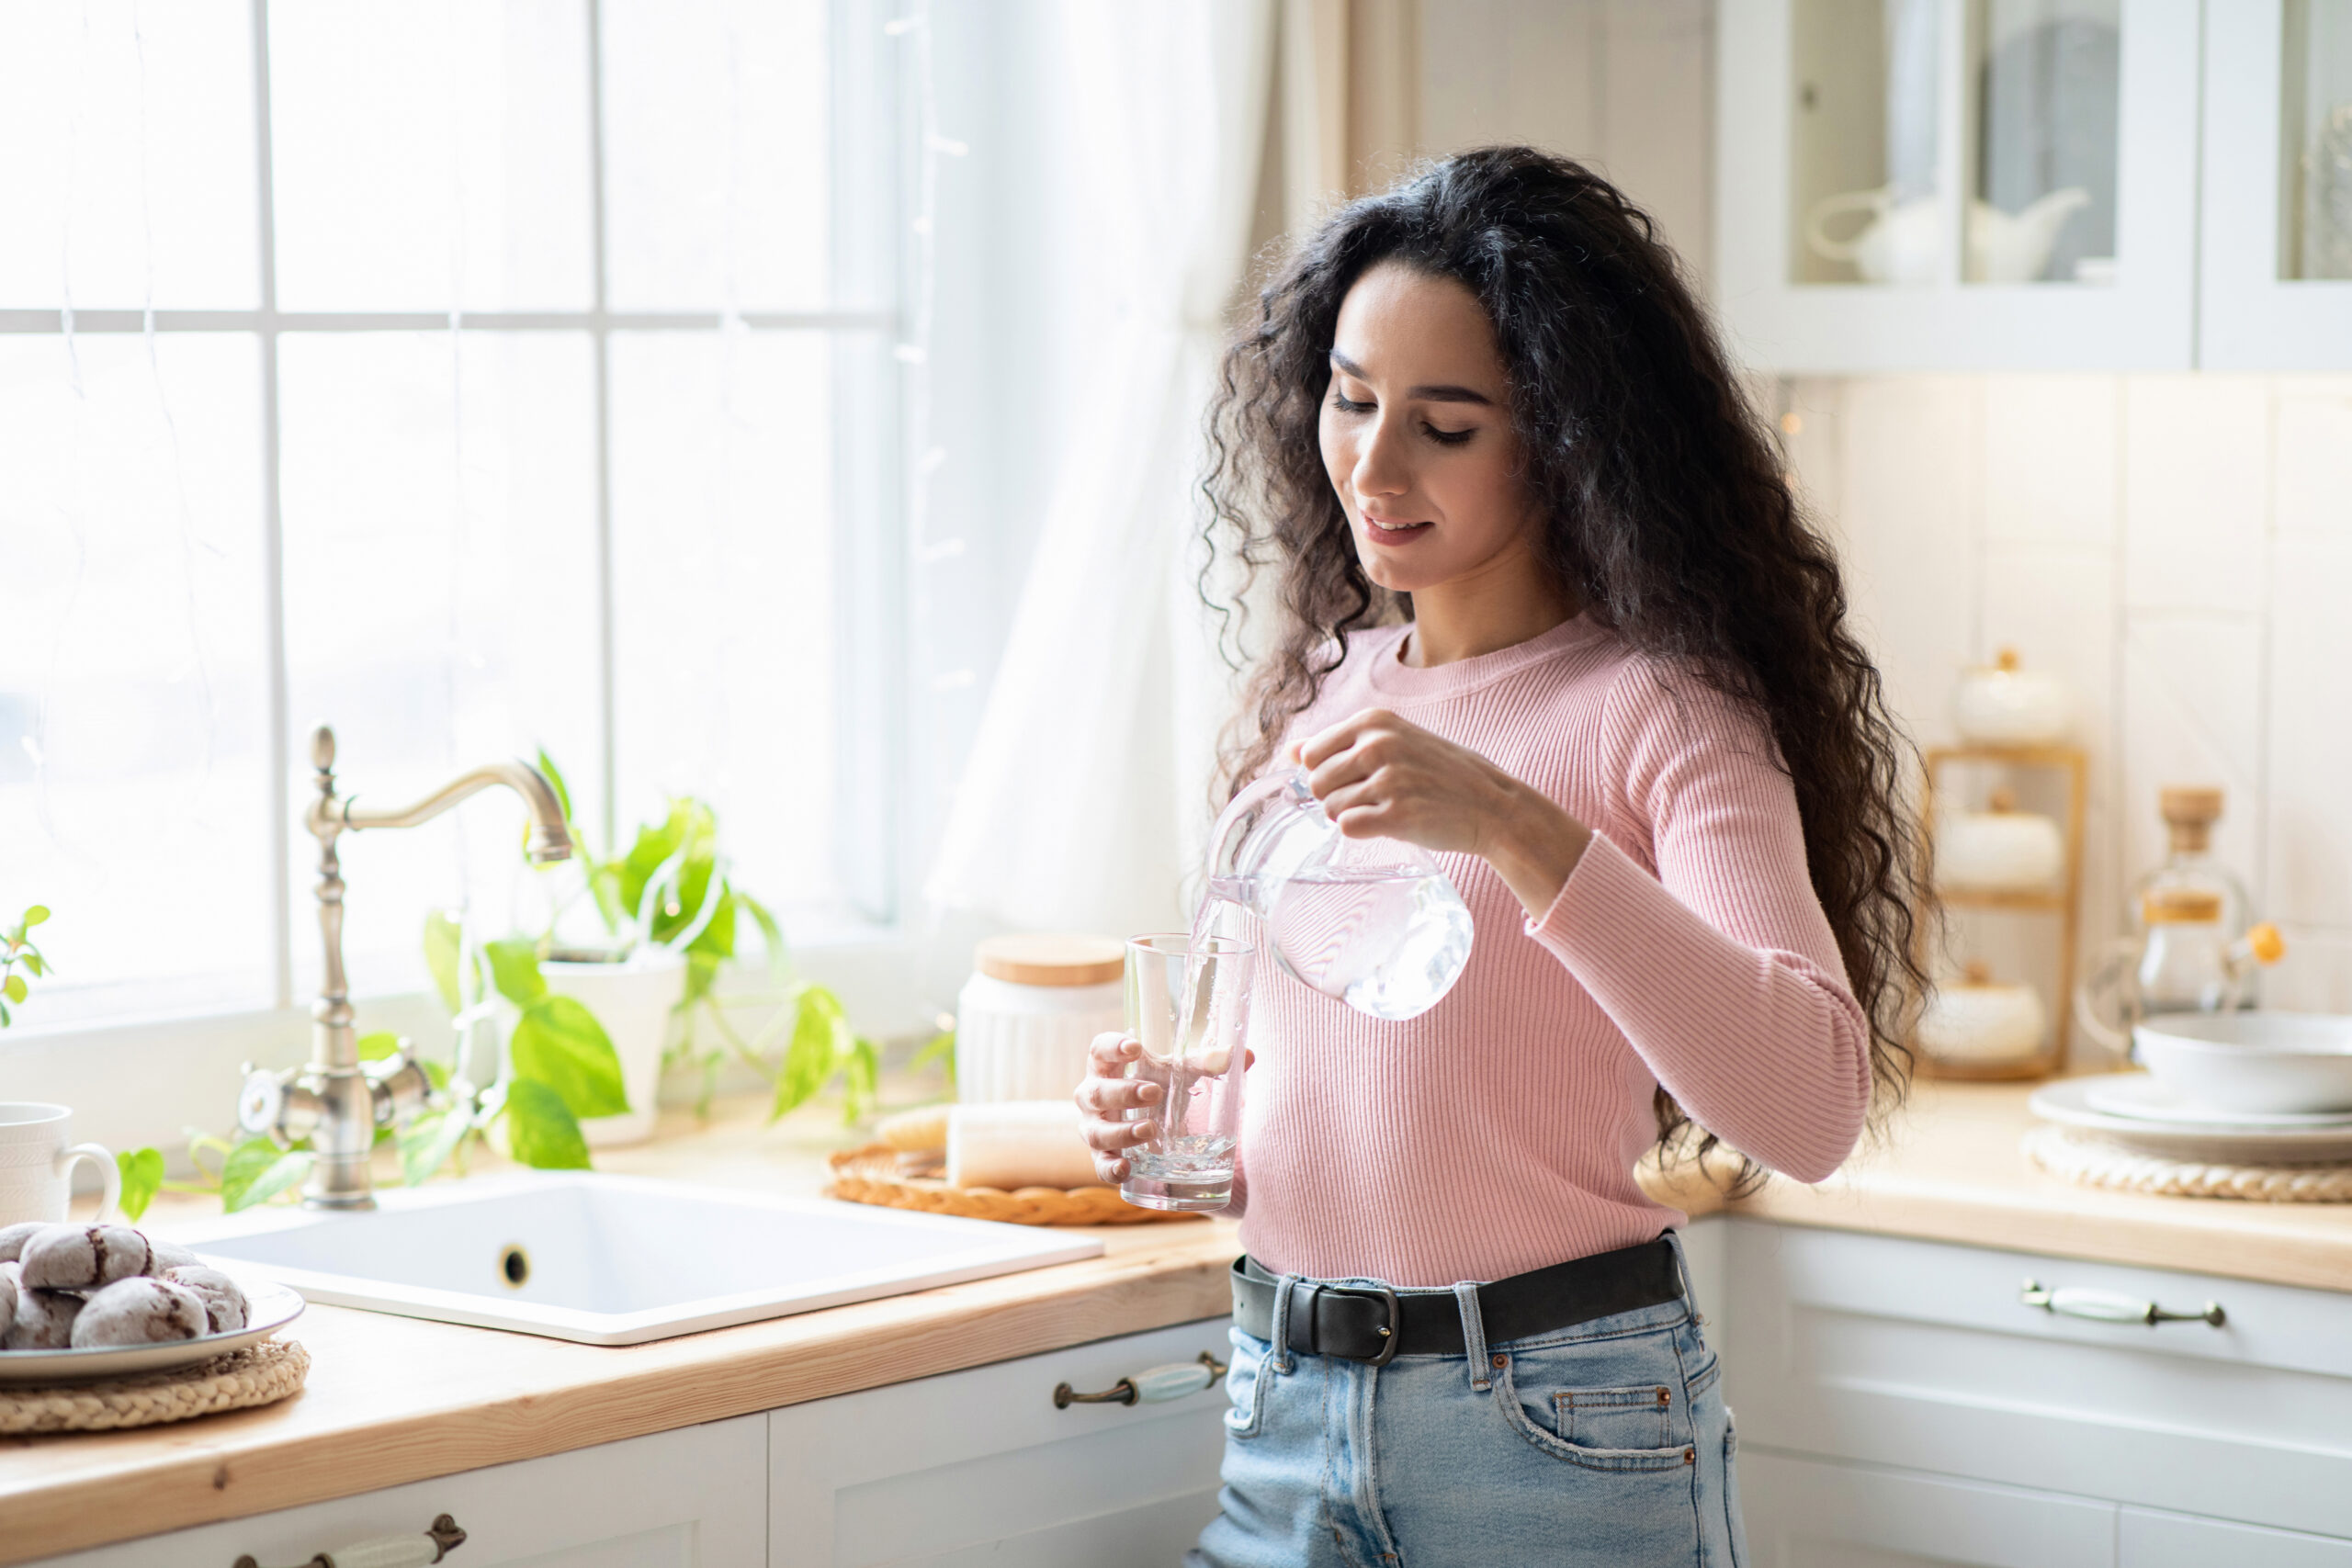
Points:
(1692, 920)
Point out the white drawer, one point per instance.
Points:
(692, 1498)
(2148, 1540)
(980, 1467)
(1920, 1354)
(1805, 1513)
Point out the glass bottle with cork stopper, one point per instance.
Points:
(2189, 813)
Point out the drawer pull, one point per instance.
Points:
(1174, 1381)
(388, 1551)
(2107, 1306)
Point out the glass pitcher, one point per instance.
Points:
(2188, 961)
(1372, 921)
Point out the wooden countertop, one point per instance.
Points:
(393, 1400)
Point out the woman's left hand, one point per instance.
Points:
(1378, 776)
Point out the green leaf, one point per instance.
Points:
(142, 1177)
(809, 1059)
(515, 970)
(541, 1132)
(559, 1045)
(258, 1170)
(861, 1080)
(36, 915)
(718, 938)
(702, 973)
(4, 1015)
(428, 1142)
(36, 962)
(771, 938)
(555, 778)
(940, 1048)
(444, 940)
(654, 846)
(13, 988)
(437, 1073)
(377, 1046)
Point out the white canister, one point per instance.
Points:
(1033, 1006)
(633, 1000)
(1979, 1019)
(2000, 850)
(2007, 705)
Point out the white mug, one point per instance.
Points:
(36, 1164)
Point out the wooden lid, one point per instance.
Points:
(1051, 958)
(2189, 806)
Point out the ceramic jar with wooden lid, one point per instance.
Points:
(1033, 1006)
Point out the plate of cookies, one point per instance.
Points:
(79, 1302)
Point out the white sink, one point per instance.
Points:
(617, 1259)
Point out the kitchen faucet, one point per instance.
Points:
(336, 1100)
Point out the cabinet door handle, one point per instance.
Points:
(2108, 1307)
(441, 1539)
(1174, 1381)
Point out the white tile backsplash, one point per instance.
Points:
(2196, 467)
(2314, 486)
(2178, 549)
(2310, 850)
(2051, 473)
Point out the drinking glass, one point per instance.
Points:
(1188, 1006)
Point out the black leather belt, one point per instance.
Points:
(1375, 1324)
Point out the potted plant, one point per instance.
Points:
(670, 917)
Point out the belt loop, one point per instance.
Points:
(1279, 1329)
(1473, 1334)
(1682, 1273)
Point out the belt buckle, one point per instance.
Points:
(1393, 1336)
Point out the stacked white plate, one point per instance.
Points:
(2238, 1089)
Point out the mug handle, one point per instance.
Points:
(109, 1176)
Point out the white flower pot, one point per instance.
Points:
(633, 1001)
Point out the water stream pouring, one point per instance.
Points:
(1372, 921)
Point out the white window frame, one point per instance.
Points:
(141, 1080)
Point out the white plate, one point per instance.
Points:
(2143, 1098)
(2067, 1103)
(270, 1306)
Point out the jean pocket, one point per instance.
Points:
(1245, 1384)
(1630, 1448)
(1613, 1418)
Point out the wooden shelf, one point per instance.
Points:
(2042, 903)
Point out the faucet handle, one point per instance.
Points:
(272, 1102)
(398, 1086)
(323, 748)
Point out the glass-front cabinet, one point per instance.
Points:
(1959, 184)
(2276, 292)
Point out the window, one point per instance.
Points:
(473, 375)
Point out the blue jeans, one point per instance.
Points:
(1604, 1444)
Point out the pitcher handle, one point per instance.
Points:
(1816, 237)
(109, 1176)
(2104, 981)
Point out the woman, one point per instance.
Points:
(1549, 611)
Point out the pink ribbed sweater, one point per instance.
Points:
(1499, 1131)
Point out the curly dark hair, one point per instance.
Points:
(1668, 516)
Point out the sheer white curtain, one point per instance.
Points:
(1083, 800)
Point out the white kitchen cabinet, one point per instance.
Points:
(2276, 286)
(2145, 1538)
(1872, 1355)
(1812, 1514)
(692, 1498)
(980, 1466)
(1957, 185)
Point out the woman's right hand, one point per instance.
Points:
(1105, 1097)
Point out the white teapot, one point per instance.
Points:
(1902, 242)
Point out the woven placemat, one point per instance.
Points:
(2096, 1163)
(258, 1374)
(870, 1175)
